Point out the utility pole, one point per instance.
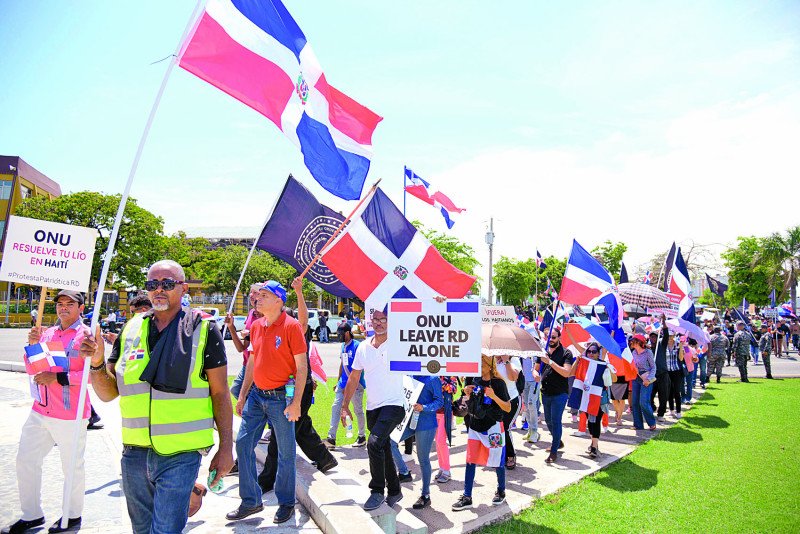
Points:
(490, 242)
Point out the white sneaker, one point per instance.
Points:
(606, 430)
(574, 418)
(672, 413)
(407, 458)
(533, 437)
(660, 419)
(678, 415)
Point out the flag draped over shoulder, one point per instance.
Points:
(298, 229)
(587, 389)
(255, 51)
(380, 255)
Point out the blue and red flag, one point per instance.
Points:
(255, 51)
(380, 255)
(648, 278)
(587, 283)
(422, 190)
(587, 389)
(679, 284)
(539, 260)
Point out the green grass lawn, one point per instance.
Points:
(730, 465)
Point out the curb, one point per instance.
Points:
(15, 367)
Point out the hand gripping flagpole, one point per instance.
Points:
(112, 240)
(339, 230)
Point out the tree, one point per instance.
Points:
(186, 251)
(514, 279)
(220, 269)
(747, 276)
(783, 252)
(610, 256)
(458, 253)
(138, 243)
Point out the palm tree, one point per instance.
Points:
(783, 251)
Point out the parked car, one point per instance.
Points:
(238, 323)
(313, 323)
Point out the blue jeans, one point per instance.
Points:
(553, 413)
(641, 404)
(157, 489)
(689, 385)
(530, 396)
(424, 444)
(703, 366)
(236, 386)
(260, 408)
(469, 477)
(323, 334)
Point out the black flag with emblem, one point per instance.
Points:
(716, 287)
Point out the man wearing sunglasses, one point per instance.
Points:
(171, 374)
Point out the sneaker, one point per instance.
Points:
(499, 497)
(391, 500)
(678, 415)
(405, 477)
(462, 503)
(443, 477)
(533, 436)
(374, 501)
(660, 418)
(360, 442)
(423, 502)
(329, 443)
(593, 452)
(526, 436)
(606, 429)
(94, 423)
(574, 418)
(284, 513)
(407, 458)
(672, 413)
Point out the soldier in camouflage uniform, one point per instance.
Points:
(765, 347)
(741, 349)
(717, 351)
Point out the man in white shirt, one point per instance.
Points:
(384, 411)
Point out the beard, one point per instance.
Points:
(161, 306)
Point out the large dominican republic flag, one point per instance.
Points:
(380, 256)
(584, 279)
(255, 51)
(487, 448)
(587, 389)
(680, 284)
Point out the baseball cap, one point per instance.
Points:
(274, 287)
(77, 296)
(640, 337)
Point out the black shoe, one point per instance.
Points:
(242, 512)
(593, 452)
(551, 458)
(462, 503)
(328, 466)
(391, 500)
(74, 524)
(329, 443)
(499, 497)
(405, 477)
(235, 469)
(718, 380)
(560, 445)
(360, 442)
(423, 502)
(94, 423)
(22, 525)
(284, 513)
(769, 377)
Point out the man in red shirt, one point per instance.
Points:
(272, 390)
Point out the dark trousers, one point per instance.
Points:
(675, 389)
(507, 419)
(380, 423)
(594, 428)
(662, 388)
(305, 436)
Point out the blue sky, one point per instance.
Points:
(642, 122)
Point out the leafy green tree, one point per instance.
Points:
(610, 256)
(221, 267)
(513, 280)
(783, 252)
(186, 251)
(708, 298)
(140, 234)
(747, 276)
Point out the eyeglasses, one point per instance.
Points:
(380, 320)
(167, 283)
(592, 351)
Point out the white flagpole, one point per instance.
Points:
(112, 240)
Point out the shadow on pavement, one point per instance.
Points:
(630, 477)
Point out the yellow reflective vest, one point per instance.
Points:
(170, 423)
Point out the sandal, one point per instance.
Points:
(511, 462)
(196, 499)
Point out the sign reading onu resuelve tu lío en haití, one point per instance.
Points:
(50, 254)
(426, 337)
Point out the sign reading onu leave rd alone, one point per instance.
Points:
(431, 338)
(44, 253)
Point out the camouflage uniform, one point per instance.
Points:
(765, 347)
(741, 351)
(718, 347)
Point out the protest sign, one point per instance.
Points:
(434, 338)
(499, 315)
(48, 254)
(411, 390)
